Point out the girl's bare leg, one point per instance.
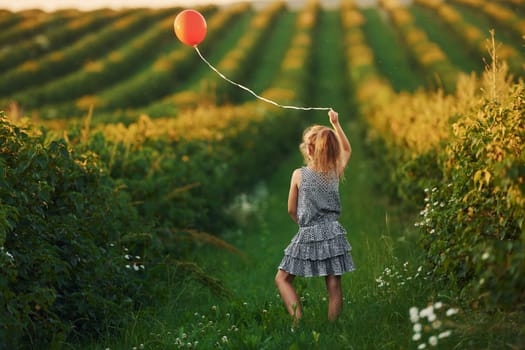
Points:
(335, 296)
(283, 281)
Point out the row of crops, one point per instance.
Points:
(59, 65)
(135, 145)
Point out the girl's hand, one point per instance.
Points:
(334, 116)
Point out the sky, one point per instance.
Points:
(51, 5)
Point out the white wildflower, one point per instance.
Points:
(433, 340)
(224, 339)
(426, 311)
(418, 327)
(438, 305)
(444, 334)
(127, 257)
(422, 346)
(136, 268)
(485, 256)
(451, 311)
(416, 337)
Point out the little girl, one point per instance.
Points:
(320, 248)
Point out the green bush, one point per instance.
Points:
(473, 222)
(185, 183)
(75, 216)
(61, 219)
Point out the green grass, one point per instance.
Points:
(327, 89)
(391, 61)
(265, 67)
(476, 18)
(439, 33)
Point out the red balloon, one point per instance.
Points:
(190, 27)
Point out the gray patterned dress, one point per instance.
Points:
(320, 248)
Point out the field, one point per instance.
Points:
(143, 198)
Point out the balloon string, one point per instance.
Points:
(253, 93)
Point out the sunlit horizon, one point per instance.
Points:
(52, 5)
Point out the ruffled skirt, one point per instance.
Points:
(318, 250)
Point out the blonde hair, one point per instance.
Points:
(321, 150)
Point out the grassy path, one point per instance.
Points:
(390, 59)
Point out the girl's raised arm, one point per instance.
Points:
(346, 148)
